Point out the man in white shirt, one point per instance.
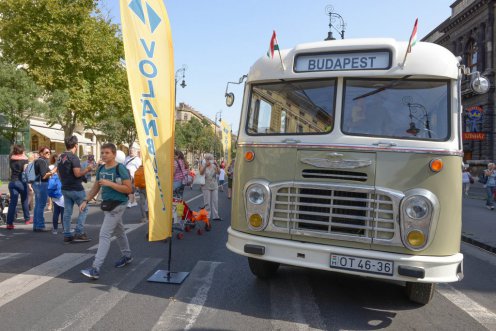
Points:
(132, 163)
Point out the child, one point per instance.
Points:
(222, 175)
(55, 193)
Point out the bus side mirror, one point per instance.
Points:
(480, 84)
(229, 99)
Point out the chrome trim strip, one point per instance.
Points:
(336, 164)
(357, 147)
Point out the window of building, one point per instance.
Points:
(472, 55)
(34, 143)
(185, 117)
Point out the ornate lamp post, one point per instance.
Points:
(179, 76)
(333, 17)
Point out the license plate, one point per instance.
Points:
(382, 267)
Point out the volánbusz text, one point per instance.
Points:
(343, 61)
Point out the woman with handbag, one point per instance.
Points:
(210, 189)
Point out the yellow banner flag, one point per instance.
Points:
(226, 142)
(150, 71)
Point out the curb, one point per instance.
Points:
(479, 244)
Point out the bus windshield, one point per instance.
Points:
(303, 107)
(405, 109)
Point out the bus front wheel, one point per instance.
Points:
(262, 269)
(420, 292)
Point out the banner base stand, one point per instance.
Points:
(168, 277)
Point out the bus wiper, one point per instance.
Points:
(380, 89)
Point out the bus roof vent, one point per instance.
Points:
(334, 174)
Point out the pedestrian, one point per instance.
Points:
(467, 179)
(490, 185)
(31, 158)
(132, 163)
(180, 173)
(192, 174)
(71, 176)
(89, 160)
(55, 193)
(40, 187)
(18, 162)
(115, 183)
(222, 175)
(230, 174)
(210, 190)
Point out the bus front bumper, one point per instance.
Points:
(410, 268)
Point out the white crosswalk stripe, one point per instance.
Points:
(18, 285)
(182, 313)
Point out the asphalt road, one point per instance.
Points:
(41, 288)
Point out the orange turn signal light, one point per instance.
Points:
(249, 156)
(436, 165)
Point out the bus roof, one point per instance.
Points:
(328, 58)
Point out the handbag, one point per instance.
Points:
(109, 205)
(199, 179)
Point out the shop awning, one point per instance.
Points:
(55, 133)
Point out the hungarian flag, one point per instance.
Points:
(273, 45)
(413, 37)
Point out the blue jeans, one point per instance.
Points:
(41, 198)
(489, 199)
(57, 212)
(15, 189)
(71, 197)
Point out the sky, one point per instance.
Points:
(219, 40)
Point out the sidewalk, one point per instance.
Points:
(478, 225)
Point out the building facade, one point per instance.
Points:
(470, 34)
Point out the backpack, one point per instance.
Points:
(54, 187)
(482, 178)
(29, 174)
(139, 178)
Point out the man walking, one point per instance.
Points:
(71, 176)
(115, 182)
(132, 163)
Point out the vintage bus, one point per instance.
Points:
(349, 160)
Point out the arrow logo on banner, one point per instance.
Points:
(153, 18)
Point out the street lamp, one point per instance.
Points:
(332, 19)
(179, 76)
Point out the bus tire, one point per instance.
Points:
(262, 269)
(420, 292)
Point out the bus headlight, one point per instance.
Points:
(257, 204)
(419, 214)
(256, 194)
(417, 207)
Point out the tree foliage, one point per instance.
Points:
(196, 137)
(72, 51)
(19, 100)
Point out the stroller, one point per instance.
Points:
(185, 219)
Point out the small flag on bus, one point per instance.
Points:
(411, 42)
(273, 45)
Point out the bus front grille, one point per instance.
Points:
(346, 213)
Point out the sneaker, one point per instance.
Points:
(81, 237)
(10, 226)
(91, 273)
(489, 207)
(132, 204)
(29, 221)
(123, 261)
(55, 231)
(68, 240)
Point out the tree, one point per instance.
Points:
(196, 137)
(20, 98)
(71, 50)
